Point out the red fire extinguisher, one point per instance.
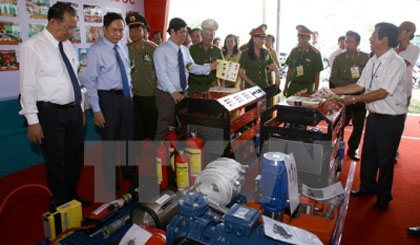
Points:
(162, 165)
(182, 170)
(195, 153)
(158, 236)
(171, 138)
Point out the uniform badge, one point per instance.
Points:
(147, 58)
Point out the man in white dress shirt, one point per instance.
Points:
(383, 82)
(410, 53)
(51, 101)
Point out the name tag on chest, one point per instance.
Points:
(355, 72)
(299, 71)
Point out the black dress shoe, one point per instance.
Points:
(415, 230)
(353, 155)
(381, 205)
(359, 192)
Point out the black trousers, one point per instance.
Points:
(118, 131)
(119, 117)
(382, 137)
(145, 117)
(357, 114)
(167, 110)
(63, 149)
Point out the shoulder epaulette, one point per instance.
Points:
(244, 48)
(316, 51)
(341, 54)
(151, 44)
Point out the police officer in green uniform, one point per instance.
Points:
(305, 64)
(255, 59)
(143, 77)
(202, 53)
(346, 70)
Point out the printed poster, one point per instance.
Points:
(92, 14)
(75, 38)
(35, 28)
(93, 33)
(83, 56)
(8, 60)
(9, 33)
(9, 8)
(37, 9)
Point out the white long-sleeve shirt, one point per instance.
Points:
(43, 75)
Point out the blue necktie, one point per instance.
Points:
(181, 67)
(73, 78)
(126, 88)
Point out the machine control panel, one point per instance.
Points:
(236, 100)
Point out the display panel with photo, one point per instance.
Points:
(93, 33)
(92, 14)
(9, 33)
(9, 8)
(83, 56)
(8, 60)
(35, 28)
(75, 38)
(37, 9)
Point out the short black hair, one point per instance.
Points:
(57, 11)
(273, 39)
(157, 32)
(388, 30)
(341, 38)
(195, 29)
(110, 17)
(176, 24)
(355, 34)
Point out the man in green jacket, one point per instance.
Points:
(143, 77)
(304, 64)
(202, 53)
(346, 70)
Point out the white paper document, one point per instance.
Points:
(290, 164)
(135, 236)
(227, 70)
(325, 193)
(287, 233)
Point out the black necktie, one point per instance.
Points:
(181, 67)
(73, 78)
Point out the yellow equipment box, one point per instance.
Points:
(67, 216)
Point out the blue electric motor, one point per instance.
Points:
(238, 226)
(273, 182)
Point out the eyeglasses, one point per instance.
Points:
(67, 28)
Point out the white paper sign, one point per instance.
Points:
(227, 70)
(321, 194)
(287, 233)
(290, 163)
(135, 236)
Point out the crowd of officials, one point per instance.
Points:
(133, 88)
